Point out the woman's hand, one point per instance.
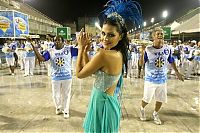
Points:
(87, 47)
(83, 40)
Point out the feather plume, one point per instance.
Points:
(129, 10)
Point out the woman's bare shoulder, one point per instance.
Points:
(101, 53)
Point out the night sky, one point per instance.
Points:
(68, 10)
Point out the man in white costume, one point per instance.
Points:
(156, 58)
(60, 61)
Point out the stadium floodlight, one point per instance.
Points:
(165, 14)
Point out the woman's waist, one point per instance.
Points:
(102, 93)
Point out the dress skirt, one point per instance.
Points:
(103, 115)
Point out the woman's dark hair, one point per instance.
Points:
(123, 44)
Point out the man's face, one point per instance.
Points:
(47, 37)
(58, 41)
(158, 35)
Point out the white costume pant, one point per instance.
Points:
(156, 91)
(21, 60)
(29, 65)
(190, 68)
(134, 58)
(170, 69)
(10, 61)
(61, 90)
(196, 67)
(74, 60)
(48, 66)
(129, 71)
(185, 65)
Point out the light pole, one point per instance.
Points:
(143, 29)
(152, 20)
(145, 23)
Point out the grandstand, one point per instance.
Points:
(38, 22)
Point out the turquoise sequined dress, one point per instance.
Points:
(103, 115)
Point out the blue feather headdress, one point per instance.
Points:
(126, 11)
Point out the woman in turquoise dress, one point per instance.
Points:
(103, 115)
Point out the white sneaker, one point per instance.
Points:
(58, 111)
(156, 119)
(66, 115)
(142, 115)
(13, 74)
(25, 75)
(187, 78)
